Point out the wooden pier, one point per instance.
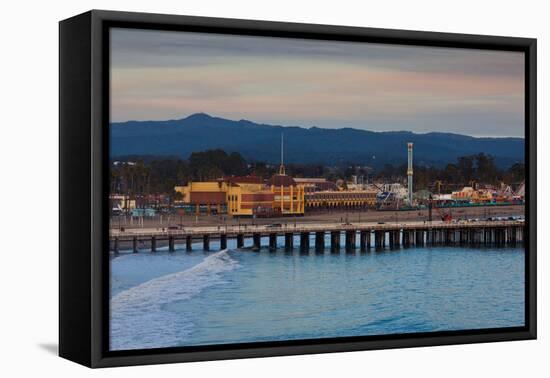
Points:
(371, 236)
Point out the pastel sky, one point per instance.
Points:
(161, 75)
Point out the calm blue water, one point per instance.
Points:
(200, 298)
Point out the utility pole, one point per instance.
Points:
(430, 205)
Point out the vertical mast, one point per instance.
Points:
(282, 148)
(410, 172)
(282, 166)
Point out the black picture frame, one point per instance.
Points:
(83, 154)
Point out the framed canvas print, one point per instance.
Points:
(233, 188)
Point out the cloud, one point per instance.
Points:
(162, 75)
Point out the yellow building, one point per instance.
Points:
(209, 196)
(249, 196)
(245, 196)
(288, 195)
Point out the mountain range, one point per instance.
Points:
(261, 142)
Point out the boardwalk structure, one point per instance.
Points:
(370, 235)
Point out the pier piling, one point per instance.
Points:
(223, 241)
(420, 238)
(379, 239)
(350, 240)
(171, 246)
(304, 241)
(363, 236)
(256, 242)
(272, 242)
(289, 241)
(335, 241)
(397, 238)
(320, 241)
(240, 240)
(406, 238)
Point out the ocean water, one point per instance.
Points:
(184, 298)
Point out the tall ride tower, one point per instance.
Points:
(410, 172)
(282, 170)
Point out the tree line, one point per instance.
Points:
(140, 176)
(159, 176)
(479, 168)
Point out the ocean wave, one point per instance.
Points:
(138, 320)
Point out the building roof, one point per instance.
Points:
(243, 179)
(314, 180)
(282, 180)
(316, 184)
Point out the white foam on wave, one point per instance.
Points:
(137, 318)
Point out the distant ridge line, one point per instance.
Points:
(314, 145)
